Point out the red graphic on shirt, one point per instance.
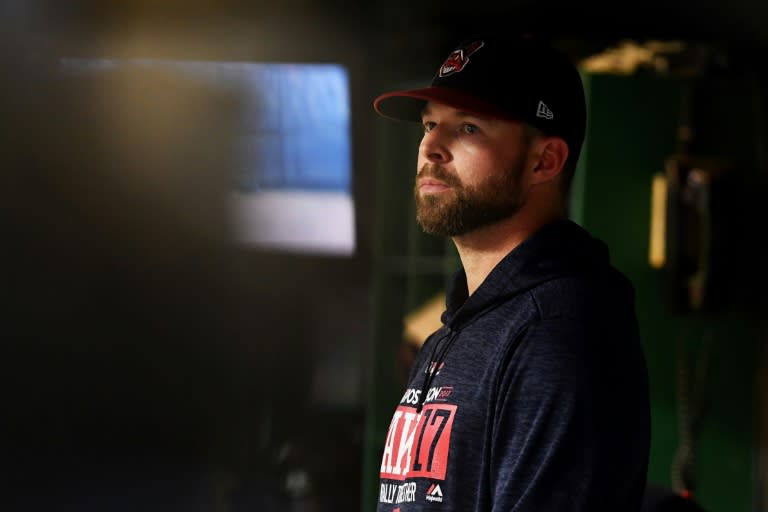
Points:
(418, 443)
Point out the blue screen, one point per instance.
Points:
(293, 126)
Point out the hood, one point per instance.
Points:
(558, 249)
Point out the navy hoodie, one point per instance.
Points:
(532, 396)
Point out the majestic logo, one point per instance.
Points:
(434, 493)
(543, 111)
(458, 59)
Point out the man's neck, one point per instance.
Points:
(482, 249)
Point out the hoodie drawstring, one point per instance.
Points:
(433, 366)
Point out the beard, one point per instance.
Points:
(466, 208)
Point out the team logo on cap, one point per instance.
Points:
(458, 59)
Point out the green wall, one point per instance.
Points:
(632, 131)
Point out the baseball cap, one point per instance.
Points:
(513, 78)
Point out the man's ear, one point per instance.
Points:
(552, 153)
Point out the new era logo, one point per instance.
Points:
(543, 111)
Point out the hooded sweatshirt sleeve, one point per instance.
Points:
(553, 447)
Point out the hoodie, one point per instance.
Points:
(532, 396)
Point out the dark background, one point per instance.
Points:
(149, 364)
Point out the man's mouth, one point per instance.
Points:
(432, 186)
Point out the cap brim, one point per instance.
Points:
(408, 105)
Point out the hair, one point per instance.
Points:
(528, 135)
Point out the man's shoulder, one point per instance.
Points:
(584, 294)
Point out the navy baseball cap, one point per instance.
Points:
(503, 78)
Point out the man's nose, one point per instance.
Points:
(434, 147)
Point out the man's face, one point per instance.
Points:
(470, 171)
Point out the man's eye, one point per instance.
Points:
(428, 125)
(469, 129)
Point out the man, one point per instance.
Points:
(532, 396)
